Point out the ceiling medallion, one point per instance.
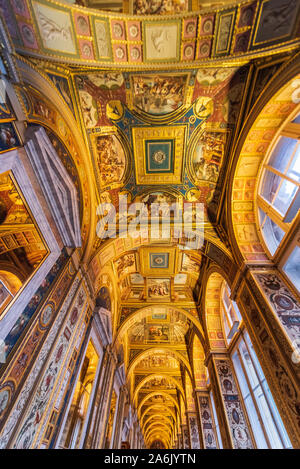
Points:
(135, 53)
(159, 157)
(189, 51)
(134, 31)
(120, 53)
(118, 30)
(158, 260)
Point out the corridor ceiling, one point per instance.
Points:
(158, 101)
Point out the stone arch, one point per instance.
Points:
(157, 407)
(181, 359)
(156, 393)
(154, 375)
(144, 312)
(160, 416)
(160, 425)
(165, 440)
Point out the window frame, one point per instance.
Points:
(291, 230)
(235, 349)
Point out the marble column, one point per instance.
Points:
(97, 423)
(193, 427)
(207, 423)
(234, 426)
(119, 418)
(185, 437)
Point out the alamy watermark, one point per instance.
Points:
(153, 221)
(2, 352)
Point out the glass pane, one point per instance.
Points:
(248, 365)
(226, 298)
(240, 375)
(270, 185)
(285, 196)
(269, 424)
(232, 314)
(262, 216)
(251, 411)
(227, 326)
(254, 357)
(296, 120)
(292, 267)
(282, 153)
(272, 405)
(273, 234)
(294, 169)
(237, 311)
(255, 424)
(283, 433)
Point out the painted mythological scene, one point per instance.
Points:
(208, 155)
(159, 94)
(111, 163)
(158, 288)
(159, 7)
(126, 264)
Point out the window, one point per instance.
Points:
(279, 193)
(264, 417)
(230, 313)
(292, 267)
(278, 201)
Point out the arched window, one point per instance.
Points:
(278, 201)
(230, 313)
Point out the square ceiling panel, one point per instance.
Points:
(159, 154)
(161, 40)
(158, 261)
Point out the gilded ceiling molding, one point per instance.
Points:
(78, 35)
(165, 441)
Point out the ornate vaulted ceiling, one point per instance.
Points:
(158, 102)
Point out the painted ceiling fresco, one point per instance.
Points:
(187, 118)
(158, 101)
